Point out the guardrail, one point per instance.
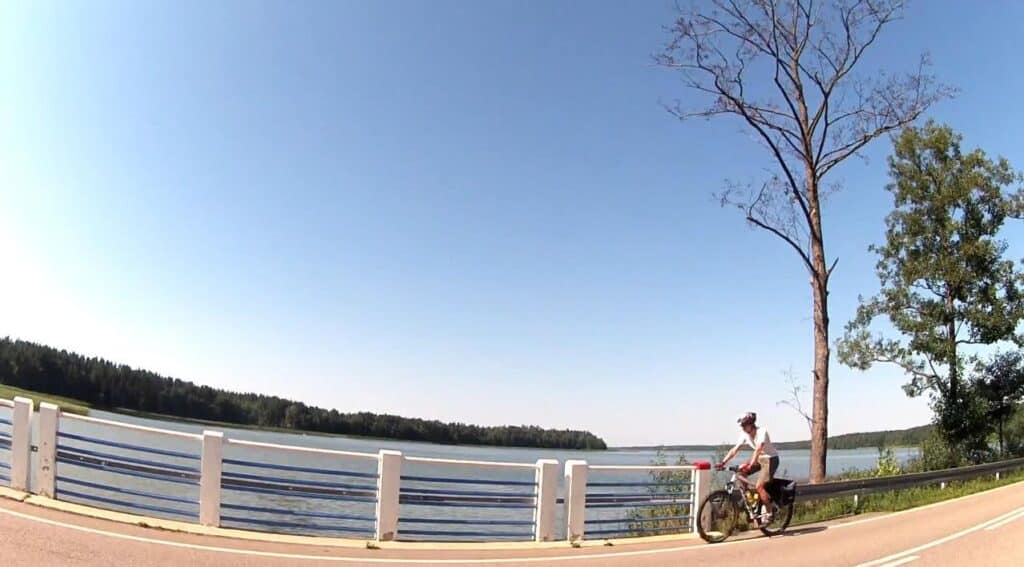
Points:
(217, 481)
(862, 487)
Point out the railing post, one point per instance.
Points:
(699, 490)
(547, 500)
(21, 444)
(997, 475)
(575, 499)
(46, 461)
(389, 479)
(211, 467)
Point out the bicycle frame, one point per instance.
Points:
(744, 485)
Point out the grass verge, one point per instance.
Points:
(66, 404)
(821, 510)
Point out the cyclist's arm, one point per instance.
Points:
(757, 453)
(732, 453)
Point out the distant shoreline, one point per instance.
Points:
(303, 432)
(712, 448)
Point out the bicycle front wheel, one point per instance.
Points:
(717, 517)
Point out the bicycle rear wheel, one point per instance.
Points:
(717, 517)
(781, 516)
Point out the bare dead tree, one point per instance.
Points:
(785, 68)
(795, 400)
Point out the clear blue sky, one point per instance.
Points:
(469, 211)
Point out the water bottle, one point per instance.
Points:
(752, 498)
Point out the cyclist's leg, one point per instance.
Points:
(764, 463)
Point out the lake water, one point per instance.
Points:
(328, 516)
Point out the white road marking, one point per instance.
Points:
(903, 561)
(303, 557)
(540, 559)
(1004, 522)
(940, 541)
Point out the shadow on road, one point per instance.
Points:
(804, 531)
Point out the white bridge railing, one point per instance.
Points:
(218, 481)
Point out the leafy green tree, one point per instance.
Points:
(946, 287)
(1014, 432)
(1001, 387)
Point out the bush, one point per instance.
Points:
(937, 454)
(665, 519)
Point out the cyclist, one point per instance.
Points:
(765, 458)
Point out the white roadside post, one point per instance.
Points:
(21, 444)
(547, 500)
(46, 472)
(575, 499)
(389, 479)
(210, 469)
(699, 490)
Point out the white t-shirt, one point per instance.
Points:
(760, 436)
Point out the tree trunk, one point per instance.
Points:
(819, 285)
(1000, 435)
(954, 378)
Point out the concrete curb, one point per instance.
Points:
(264, 537)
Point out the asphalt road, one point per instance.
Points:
(983, 529)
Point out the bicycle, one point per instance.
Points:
(719, 513)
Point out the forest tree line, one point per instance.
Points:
(912, 437)
(104, 384)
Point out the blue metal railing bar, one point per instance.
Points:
(639, 532)
(287, 512)
(639, 504)
(402, 500)
(139, 493)
(116, 462)
(5, 477)
(297, 481)
(445, 533)
(97, 441)
(638, 520)
(469, 481)
(293, 468)
(467, 499)
(638, 498)
(123, 459)
(294, 525)
(5, 466)
(5, 436)
(5, 421)
(123, 504)
(289, 488)
(295, 494)
(447, 521)
(127, 470)
(646, 495)
(445, 491)
(608, 484)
